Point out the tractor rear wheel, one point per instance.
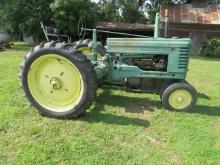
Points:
(85, 46)
(59, 82)
(179, 96)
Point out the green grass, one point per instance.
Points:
(119, 128)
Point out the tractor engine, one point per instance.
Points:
(150, 63)
(154, 63)
(151, 85)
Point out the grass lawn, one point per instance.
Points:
(120, 127)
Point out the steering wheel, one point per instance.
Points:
(81, 26)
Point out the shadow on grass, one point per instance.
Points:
(94, 117)
(105, 98)
(134, 105)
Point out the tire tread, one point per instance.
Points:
(90, 75)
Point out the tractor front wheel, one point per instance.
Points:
(59, 82)
(179, 96)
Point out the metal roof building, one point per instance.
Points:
(197, 20)
(189, 13)
(131, 28)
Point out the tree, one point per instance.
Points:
(107, 10)
(132, 11)
(23, 16)
(67, 13)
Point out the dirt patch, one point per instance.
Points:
(152, 140)
(139, 107)
(174, 159)
(216, 126)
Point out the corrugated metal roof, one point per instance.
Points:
(124, 26)
(189, 14)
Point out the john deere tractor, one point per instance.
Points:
(61, 79)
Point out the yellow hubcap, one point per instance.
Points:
(55, 83)
(180, 99)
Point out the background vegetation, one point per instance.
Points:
(23, 16)
(211, 48)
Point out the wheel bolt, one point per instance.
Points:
(61, 74)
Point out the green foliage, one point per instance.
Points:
(24, 15)
(217, 51)
(151, 14)
(67, 13)
(211, 48)
(129, 11)
(107, 10)
(132, 11)
(5, 23)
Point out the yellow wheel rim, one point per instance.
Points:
(88, 52)
(85, 50)
(55, 83)
(180, 99)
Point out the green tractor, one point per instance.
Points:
(61, 79)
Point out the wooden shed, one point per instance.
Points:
(199, 20)
(131, 28)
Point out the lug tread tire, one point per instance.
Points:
(174, 86)
(165, 85)
(85, 67)
(88, 43)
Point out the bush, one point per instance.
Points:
(217, 52)
(211, 48)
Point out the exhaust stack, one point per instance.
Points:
(166, 22)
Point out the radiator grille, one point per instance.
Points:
(183, 58)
